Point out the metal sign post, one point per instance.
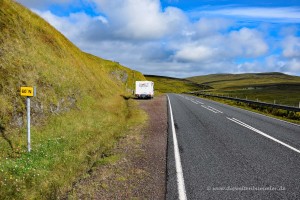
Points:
(28, 92)
(28, 124)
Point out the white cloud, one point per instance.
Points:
(293, 65)
(140, 19)
(207, 26)
(194, 53)
(291, 53)
(210, 50)
(77, 26)
(291, 47)
(278, 14)
(247, 42)
(143, 36)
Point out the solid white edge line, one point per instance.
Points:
(179, 172)
(263, 134)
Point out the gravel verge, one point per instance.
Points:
(136, 169)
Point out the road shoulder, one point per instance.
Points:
(136, 169)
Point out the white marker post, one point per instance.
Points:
(28, 92)
(28, 124)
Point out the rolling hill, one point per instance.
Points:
(165, 84)
(80, 97)
(268, 87)
(229, 81)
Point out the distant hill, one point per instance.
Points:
(268, 87)
(230, 81)
(166, 84)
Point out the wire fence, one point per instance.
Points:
(278, 106)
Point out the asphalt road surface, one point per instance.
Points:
(229, 153)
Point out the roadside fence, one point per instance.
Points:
(278, 106)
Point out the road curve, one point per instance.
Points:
(229, 153)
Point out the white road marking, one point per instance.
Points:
(179, 172)
(252, 112)
(194, 102)
(214, 109)
(263, 134)
(209, 109)
(199, 102)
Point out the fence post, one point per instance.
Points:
(274, 102)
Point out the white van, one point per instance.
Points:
(144, 89)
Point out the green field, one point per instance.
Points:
(80, 97)
(164, 84)
(267, 87)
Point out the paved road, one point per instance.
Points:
(230, 153)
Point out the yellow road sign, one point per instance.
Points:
(27, 91)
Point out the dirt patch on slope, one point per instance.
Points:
(136, 169)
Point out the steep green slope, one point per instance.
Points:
(78, 114)
(165, 84)
(267, 87)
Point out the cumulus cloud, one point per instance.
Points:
(194, 53)
(291, 52)
(247, 42)
(292, 66)
(258, 66)
(291, 46)
(166, 41)
(207, 26)
(273, 63)
(75, 26)
(140, 19)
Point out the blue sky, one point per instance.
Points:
(182, 38)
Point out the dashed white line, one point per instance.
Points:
(215, 109)
(179, 172)
(194, 102)
(199, 102)
(208, 109)
(263, 134)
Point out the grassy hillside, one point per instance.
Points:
(80, 98)
(267, 87)
(229, 81)
(164, 84)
